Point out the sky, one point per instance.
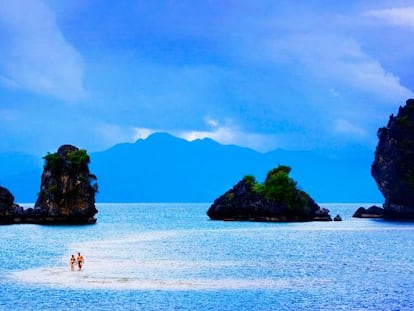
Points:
(295, 75)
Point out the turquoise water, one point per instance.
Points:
(172, 257)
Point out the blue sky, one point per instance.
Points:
(262, 74)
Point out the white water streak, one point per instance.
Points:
(137, 262)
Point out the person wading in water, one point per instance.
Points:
(72, 262)
(80, 261)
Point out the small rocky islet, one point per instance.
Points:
(371, 212)
(67, 192)
(277, 199)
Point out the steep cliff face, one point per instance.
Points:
(393, 167)
(67, 192)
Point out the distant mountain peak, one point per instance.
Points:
(160, 137)
(206, 140)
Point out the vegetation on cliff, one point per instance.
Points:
(68, 189)
(277, 199)
(280, 189)
(67, 192)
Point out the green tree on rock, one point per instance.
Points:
(282, 189)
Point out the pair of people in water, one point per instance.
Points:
(76, 261)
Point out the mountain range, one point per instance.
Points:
(164, 168)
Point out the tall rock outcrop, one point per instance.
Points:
(393, 167)
(67, 191)
(278, 199)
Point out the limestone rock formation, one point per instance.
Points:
(393, 167)
(67, 191)
(277, 199)
(9, 211)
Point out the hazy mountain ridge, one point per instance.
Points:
(163, 168)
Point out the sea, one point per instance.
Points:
(171, 256)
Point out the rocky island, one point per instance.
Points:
(9, 211)
(393, 167)
(371, 212)
(277, 199)
(67, 192)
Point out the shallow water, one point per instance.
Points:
(172, 257)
